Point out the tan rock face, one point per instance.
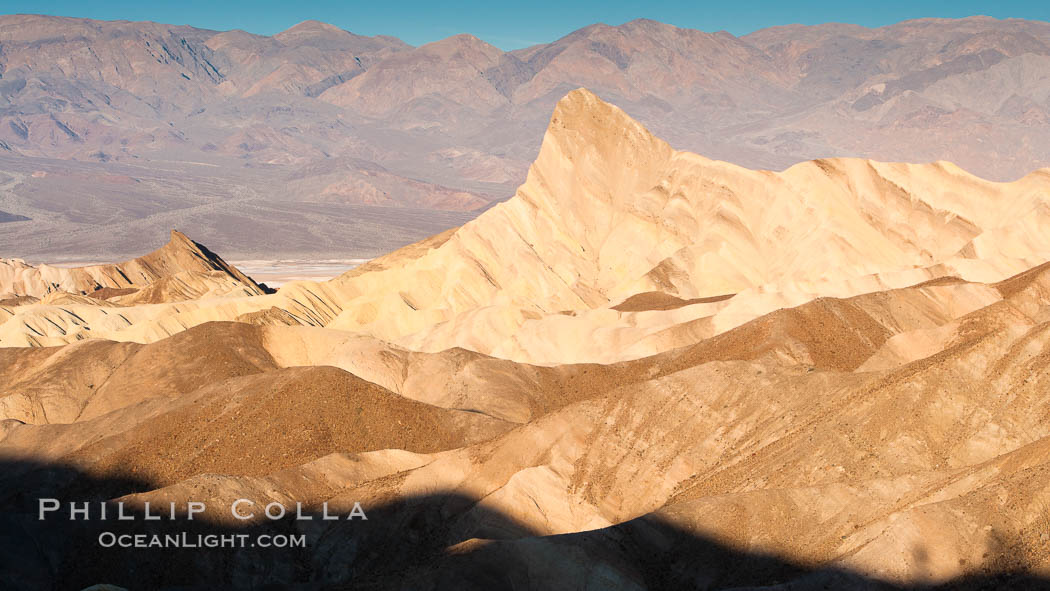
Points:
(181, 261)
(608, 212)
(647, 370)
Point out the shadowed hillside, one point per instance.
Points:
(410, 543)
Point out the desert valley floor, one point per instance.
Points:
(646, 370)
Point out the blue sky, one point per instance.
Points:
(510, 25)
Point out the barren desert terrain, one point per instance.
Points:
(647, 369)
(318, 143)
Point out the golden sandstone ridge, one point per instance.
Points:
(646, 370)
(609, 212)
(179, 257)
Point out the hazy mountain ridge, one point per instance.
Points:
(453, 124)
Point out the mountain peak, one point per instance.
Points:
(181, 253)
(328, 37)
(598, 157)
(310, 29)
(584, 120)
(466, 45)
(181, 244)
(463, 40)
(647, 24)
(177, 236)
(311, 26)
(180, 256)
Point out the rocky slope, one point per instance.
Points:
(826, 445)
(179, 270)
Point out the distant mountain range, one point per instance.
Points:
(319, 141)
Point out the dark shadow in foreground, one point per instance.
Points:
(442, 541)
